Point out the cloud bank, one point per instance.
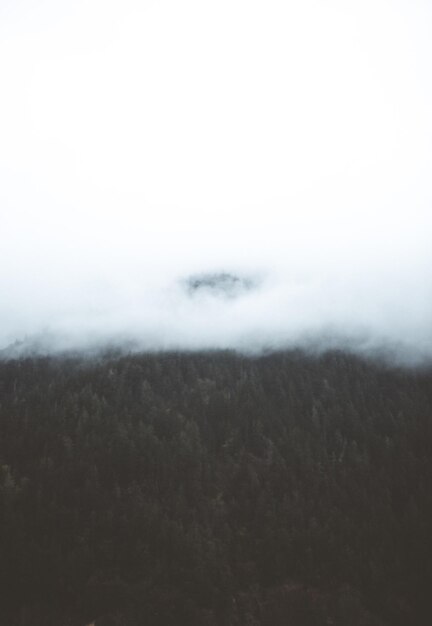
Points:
(288, 143)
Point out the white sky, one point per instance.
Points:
(140, 141)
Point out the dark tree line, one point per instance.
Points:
(215, 490)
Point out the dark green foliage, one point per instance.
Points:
(221, 284)
(215, 490)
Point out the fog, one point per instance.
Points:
(285, 143)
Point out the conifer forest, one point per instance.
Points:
(215, 489)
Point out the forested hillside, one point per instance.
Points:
(213, 489)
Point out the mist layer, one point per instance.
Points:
(286, 144)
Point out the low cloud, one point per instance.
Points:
(147, 146)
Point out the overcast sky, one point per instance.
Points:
(287, 141)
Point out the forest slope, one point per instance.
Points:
(213, 489)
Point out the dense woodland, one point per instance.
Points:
(214, 489)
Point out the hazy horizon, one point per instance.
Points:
(285, 143)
